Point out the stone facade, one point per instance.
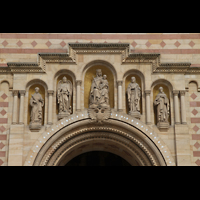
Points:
(170, 61)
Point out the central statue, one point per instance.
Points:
(99, 107)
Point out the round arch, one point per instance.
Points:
(36, 82)
(99, 62)
(87, 77)
(58, 76)
(139, 75)
(121, 134)
(168, 88)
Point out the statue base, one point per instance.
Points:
(163, 126)
(35, 127)
(63, 115)
(135, 114)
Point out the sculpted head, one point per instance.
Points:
(64, 79)
(37, 89)
(161, 89)
(104, 77)
(99, 72)
(132, 79)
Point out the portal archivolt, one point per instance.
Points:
(114, 136)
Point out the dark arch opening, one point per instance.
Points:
(98, 158)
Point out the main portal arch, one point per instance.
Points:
(121, 134)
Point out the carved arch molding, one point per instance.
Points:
(114, 136)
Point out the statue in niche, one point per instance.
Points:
(99, 107)
(162, 103)
(36, 102)
(64, 94)
(134, 94)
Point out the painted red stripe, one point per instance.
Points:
(33, 51)
(196, 153)
(2, 153)
(167, 51)
(161, 51)
(3, 65)
(3, 120)
(195, 120)
(98, 36)
(195, 65)
(3, 104)
(196, 136)
(195, 104)
(3, 137)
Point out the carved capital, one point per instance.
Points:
(22, 92)
(147, 92)
(175, 92)
(78, 82)
(182, 92)
(15, 92)
(50, 92)
(119, 83)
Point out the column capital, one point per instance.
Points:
(22, 92)
(182, 92)
(147, 92)
(15, 92)
(176, 92)
(78, 82)
(119, 82)
(50, 92)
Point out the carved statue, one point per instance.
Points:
(64, 94)
(36, 102)
(134, 94)
(162, 103)
(99, 107)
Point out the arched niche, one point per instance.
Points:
(167, 89)
(30, 90)
(193, 86)
(90, 73)
(140, 81)
(59, 76)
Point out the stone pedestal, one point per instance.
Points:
(163, 126)
(63, 115)
(35, 127)
(135, 114)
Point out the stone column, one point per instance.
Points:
(183, 112)
(176, 107)
(50, 107)
(119, 84)
(14, 119)
(148, 106)
(78, 95)
(21, 107)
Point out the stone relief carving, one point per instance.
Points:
(162, 103)
(134, 94)
(64, 94)
(99, 107)
(36, 102)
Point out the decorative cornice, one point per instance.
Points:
(100, 48)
